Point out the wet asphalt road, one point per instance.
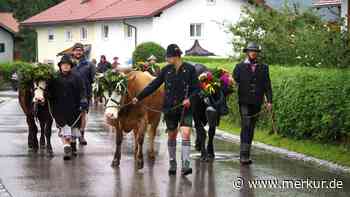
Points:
(90, 174)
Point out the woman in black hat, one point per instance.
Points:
(180, 84)
(253, 80)
(68, 101)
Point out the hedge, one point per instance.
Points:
(6, 69)
(308, 104)
(146, 49)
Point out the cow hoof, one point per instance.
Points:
(203, 158)
(198, 147)
(49, 153)
(139, 165)
(151, 156)
(33, 150)
(43, 147)
(115, 163)
(211, 157)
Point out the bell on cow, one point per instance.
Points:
(211, 114)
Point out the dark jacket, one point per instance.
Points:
(86, 70)
(253, 86)
(103, 67)
(67, 93)
(178, 85)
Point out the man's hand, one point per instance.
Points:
(269, 106)
(186, 103)
(135, 101)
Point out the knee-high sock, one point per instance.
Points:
(172, 149)
(186, 150)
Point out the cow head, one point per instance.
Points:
(115, 99)
(39, 92)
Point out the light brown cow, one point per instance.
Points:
(126, 117)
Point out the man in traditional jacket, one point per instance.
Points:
(86, 70)
(69, 100)
(181, 83)
(254, 84)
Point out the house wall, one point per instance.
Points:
(47, 50)
(345, 10)
(7, 39)
(173, 26)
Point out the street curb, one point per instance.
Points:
(221, 134)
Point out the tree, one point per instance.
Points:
(24, 9)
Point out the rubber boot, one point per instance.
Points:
(245, 154)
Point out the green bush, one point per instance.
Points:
(308, 104)
(6, 69)
(293, 37)
(145, 50)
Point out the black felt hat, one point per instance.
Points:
(252, 47)
(66, 59)
(173, 51)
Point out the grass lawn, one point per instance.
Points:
(331, 152)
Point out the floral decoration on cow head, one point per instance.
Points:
(30, 73)
(211, 81)
(112, 81)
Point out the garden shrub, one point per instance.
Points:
(308, 103)
(145, 50)
(292, 37)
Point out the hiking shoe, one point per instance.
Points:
(82, 141)
(67, 152)
(186, 168)
(172, 167)
(73, 145)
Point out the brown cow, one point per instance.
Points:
(126, 117)
(35, 106)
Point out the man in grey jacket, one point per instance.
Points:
(86, 70)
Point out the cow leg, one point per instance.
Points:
(32, 138)
(152, 135)
(42, 134)
(210, 148)
(140, 140)
(198, 140)
(117, 153)
(202, 135)
(48, 132)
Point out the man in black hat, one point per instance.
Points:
(87, 72)
(180, 84)
(68, 100)
(253, 80)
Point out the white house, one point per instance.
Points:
(8, 31)
(114, 27)
(342, 5)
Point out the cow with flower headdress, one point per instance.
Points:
(209, 105)
(33, 98)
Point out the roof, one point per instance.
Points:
(8, 22)
(326, 3)
(70, 11)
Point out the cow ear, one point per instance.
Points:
(131, 78)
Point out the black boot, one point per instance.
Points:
(67, 152)
(172, 167)
(82, 139)
(245, 154)
(74, 148)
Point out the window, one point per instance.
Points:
(196, 30)
(105, 31)
(211, 2)
(2, 47)
(128, 31)
(69, 34)
(51, 35)
(83, 33)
